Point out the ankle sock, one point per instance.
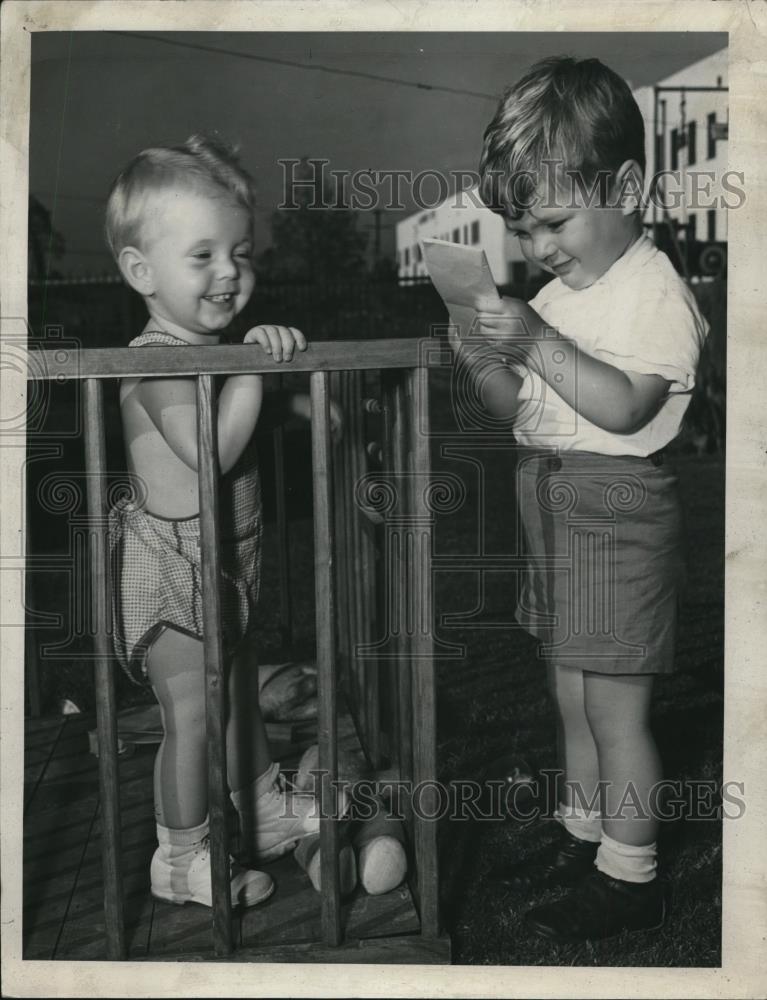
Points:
(177, 842)
(627, 862)
(580, 823)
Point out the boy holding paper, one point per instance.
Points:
(595, 374)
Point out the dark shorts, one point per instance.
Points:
(604, 542)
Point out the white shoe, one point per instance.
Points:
(180, 871)
(307, 855)
(281, 816)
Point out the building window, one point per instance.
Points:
(465, 234)
(711, 224)
(456, 236)
(407, 256)
(418, 254)
(660, 149)
(711, 140)
(674, 149)
(475, 232)
(692, 153)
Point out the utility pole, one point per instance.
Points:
(377, 237)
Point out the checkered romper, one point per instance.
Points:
(156, 562)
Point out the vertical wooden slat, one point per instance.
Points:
(400, 458)
(106, 711)
(339, 562)
(347, 550)
(422, 645)
(215, 692)
(283, 543)
(391, 667)
(327, 722)
(368, 668)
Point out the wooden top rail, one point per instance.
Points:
(59, 363)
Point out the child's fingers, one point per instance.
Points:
(299, 338)
(492, 306)
(267, 337)
(287, 341)
(336, 421)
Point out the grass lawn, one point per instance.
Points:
(492, 701)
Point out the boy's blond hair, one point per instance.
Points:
(565, 118)
(199, 164)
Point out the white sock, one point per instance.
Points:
(580, 823)
(176, 842)
(627, 861)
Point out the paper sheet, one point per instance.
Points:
(460, 274)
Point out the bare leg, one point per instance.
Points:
(576, 749)
(618, 708)
(247, 749)
(176, 672)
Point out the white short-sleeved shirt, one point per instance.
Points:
(640, 317)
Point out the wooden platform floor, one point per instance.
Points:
(63, 901)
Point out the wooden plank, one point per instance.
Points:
(401, 464)
(283, 543)
(326, 666)
(83, 933)
(403, 950)
(423, 680)
(368, 668)
(343, 638)
(390, 667)
(345, 546)
(215, 685)
(53, 849)
(39, 745)
(223, 359)
(106, 710)
(368, 585)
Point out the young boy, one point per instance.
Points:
(596, 374)
(180, 226)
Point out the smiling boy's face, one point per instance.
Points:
(573, 240)
(198, 248)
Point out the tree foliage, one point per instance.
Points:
(315, 242)
(45, 243)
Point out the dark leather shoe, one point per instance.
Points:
(598, 908)
(564, 862)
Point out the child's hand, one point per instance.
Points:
(510, 320)
(279, 341)
(300, 405)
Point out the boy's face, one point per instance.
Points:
(198, 249)
(574, 241)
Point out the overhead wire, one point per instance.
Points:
(315, 67)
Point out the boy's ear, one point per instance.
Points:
(136, 270)
(629, 188)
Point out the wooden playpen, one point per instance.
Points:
(374, 642)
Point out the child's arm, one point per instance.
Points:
(617, 401)
(171, 403)
(496, 383)
(280, 407)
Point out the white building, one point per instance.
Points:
(461, 218)
(686, 133)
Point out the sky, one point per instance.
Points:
(98, 98)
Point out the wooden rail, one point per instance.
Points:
(344, 581)
(223, 359)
